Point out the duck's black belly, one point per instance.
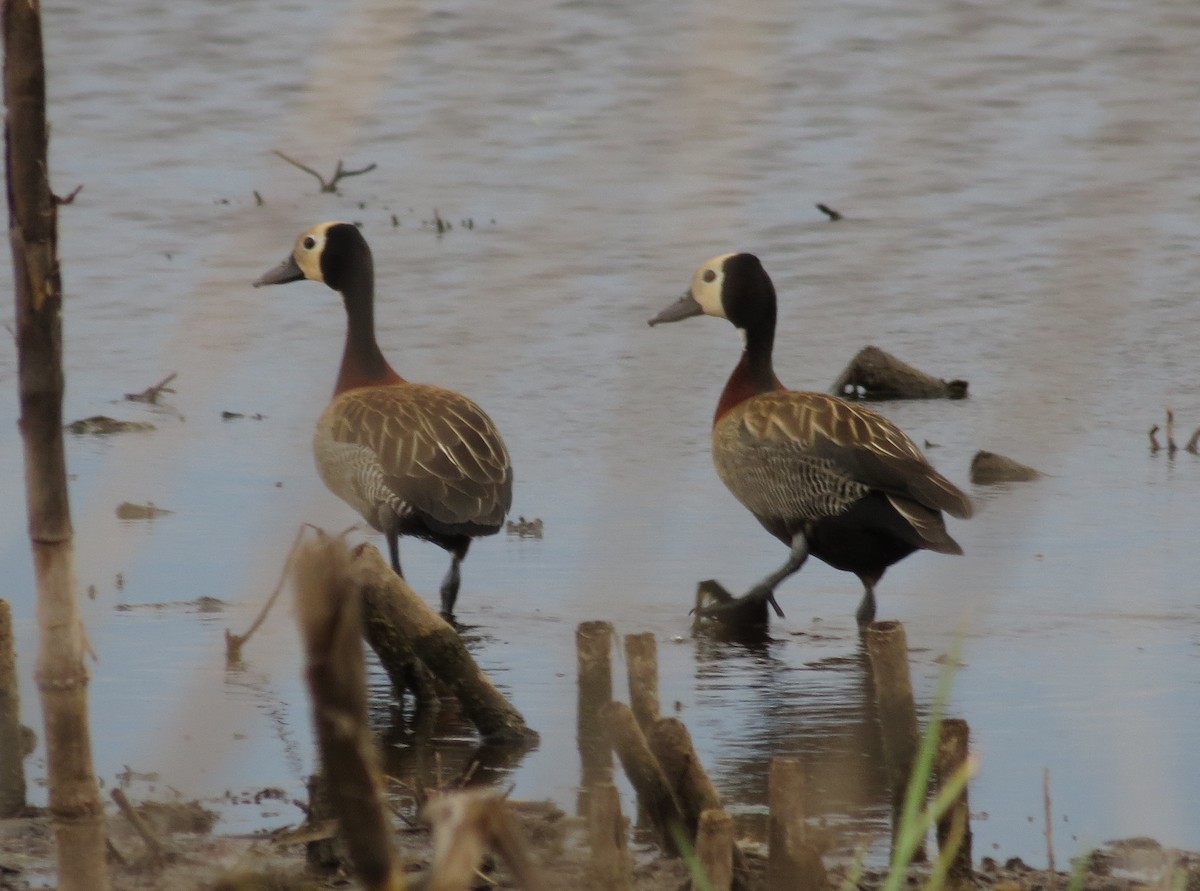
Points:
(866, 538)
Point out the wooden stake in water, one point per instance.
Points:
(954, 826)
(12, 771)
(672, 746)
(714, 850)
(641, 657)
(593, 646)
(654, 791)
(793, 864)
(610, 865)
(888, 649)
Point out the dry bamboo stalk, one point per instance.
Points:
(610, 867)
(715, 851)
(74, 795)
(794, 864)
(672, 746)
(954, 826)
(328, 612)
(654, 791)
(641, 657)
(593, 647)
(12, 769)
(888, 650)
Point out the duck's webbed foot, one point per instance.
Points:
(715, 603)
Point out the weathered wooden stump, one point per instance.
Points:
(593, 648)
(954, 827)
(641, 657)
(888, 651)
(12, 770)
(656, 796)
(392, 612)
(672, 747)
(715, 850)
(610, 866)
(793, 863)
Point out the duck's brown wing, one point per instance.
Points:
(434, 450)
(814, 454)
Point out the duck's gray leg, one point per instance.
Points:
(751, 607)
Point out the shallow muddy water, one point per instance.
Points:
(1022, 210)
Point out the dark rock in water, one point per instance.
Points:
(102, 425)
(874, 374)
(988, 468)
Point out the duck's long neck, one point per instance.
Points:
(363, 364)
(754, 373)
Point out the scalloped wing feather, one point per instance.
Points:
(817, 443)
(431, 451)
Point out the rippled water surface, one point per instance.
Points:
(1022, 208)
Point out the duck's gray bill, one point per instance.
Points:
(287, 271)
(683, 308)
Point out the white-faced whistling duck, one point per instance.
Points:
(413, 459)
(827, 477)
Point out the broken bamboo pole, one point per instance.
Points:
(593, 647)
(954, 826)
(715, 851)
(655, 793)
(793, 863)
(672, 747)
(887, 647)
(76, 809)
(328, 612)
(641, 659)
(610, 866)
(12, 755)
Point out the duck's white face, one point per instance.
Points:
(304, 262)
(707, 284)
(307, 252)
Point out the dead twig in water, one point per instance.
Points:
(150, 394)
(327, 185)
(1154, 446)
(234, 642)
(1193, 444)
(158, 852)
(833, 215)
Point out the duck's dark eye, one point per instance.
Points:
(709, 275)
(309, 243)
